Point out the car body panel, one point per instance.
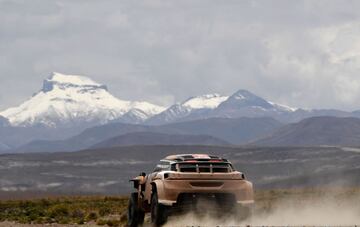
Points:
(170, 184)
(169, 189)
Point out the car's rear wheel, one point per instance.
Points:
(158, 211)
(135, 214)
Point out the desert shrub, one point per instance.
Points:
(112, 223)
(23, 220)
(63, 220)
(45, 202)
(123, 217)
(103, 211)
(59, 212)
(80, 221)
(92, 216)
(62, 210)
(101, 222)
(78, 214)
(40, 220)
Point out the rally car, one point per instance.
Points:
(179, 183)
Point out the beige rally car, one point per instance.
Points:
(181, 183)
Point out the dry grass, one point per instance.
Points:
(65, 210)
(111, 210)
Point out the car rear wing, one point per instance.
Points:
(200, 158)
(196, 166)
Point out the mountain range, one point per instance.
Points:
(68, 107)
(316, 131)
(151, 138)
(72, 101)
(221, 130)
(68, 100)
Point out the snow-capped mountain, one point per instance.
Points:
(241, 104)
(246, 104)
(134, 116)
(68, 100)
(192, 108)
(210, 101)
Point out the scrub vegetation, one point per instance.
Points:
(66, 210)
(111, 211)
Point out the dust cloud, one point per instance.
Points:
(319, 210)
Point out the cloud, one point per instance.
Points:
(300, 53)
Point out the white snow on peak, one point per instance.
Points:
(209, 101)
(283, 107)
(147, 107)
(70, 98)
(71, 79)
(186, 108)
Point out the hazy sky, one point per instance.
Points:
(300, 53)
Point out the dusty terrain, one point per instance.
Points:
(320, 207)
(89, 173)
(310, 207)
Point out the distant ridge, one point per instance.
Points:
(153, 138)
(316, 131)
(234, 131)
